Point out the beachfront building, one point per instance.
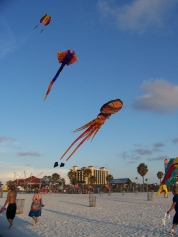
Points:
(100, 174)
(123, 181)
(28, 183)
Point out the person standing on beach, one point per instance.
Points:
(11, 201)
(174, 206)
(36, 205)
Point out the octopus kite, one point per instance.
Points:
(93, 127)
(45, 20)
(66, 58)
(169, 177)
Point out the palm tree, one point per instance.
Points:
(92, 179)
(9, 183)
(142, 169)
(160, 175)
(71, 174)
(63, 181)
(109, 177)
(87, 173)
(55, 177)
(74, 181)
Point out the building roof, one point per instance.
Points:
(31, 179)
(120, 181)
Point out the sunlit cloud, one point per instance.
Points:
(138, 15)
(28, 154)
(160, 97)
(14, 172)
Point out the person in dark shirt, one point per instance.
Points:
(174, 206)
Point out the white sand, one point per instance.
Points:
(67, 215)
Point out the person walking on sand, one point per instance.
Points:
(11, 201)
(36, 205)
(174, 206)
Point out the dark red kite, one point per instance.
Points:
(93, 127)
(66, 58)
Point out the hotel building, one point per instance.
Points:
(100, 174)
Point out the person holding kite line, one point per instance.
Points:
(174, 206)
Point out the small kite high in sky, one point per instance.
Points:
(93, 127)
(66, 58)
(45, 20)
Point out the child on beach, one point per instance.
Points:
(174, 206)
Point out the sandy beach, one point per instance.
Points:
(67, 215)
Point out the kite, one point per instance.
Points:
(172, 165)
(93, 126)
(66, 58)
(56, 164)
(45, 20)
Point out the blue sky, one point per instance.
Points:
(125, 49)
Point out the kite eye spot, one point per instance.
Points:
(71, 51)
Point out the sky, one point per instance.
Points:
(126, 50)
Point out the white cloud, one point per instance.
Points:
(138, 15)
(160, 96)
(11, 172)
(7, 39)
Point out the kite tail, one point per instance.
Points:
(41, 30)
(49, 89)
(53, 80)
(93, 122)
(85, 133)
(36, 26)
(97, 129)
(88, 136)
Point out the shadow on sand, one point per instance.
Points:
(20, 228)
